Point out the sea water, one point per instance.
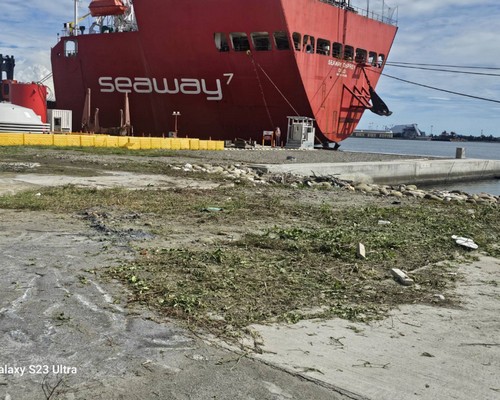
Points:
(480, 150)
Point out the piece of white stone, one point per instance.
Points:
(361, 251)
(401, 277)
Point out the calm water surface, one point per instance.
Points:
(481, 150)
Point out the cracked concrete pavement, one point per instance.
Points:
(418, 352)
(67, 329)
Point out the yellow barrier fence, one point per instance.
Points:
(133, 143)
(184, 144)
(38, 139)
(194, 144)
(156, 143)
(166, 144)
(89, 141)
(61, 140)
(175, 144)
(203, 145)
(74, 140)
(11, 139)
(112, 141)
(99, 140)
(145, 143)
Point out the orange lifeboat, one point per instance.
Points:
(102, 8)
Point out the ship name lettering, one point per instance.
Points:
(340, 64)
(142, 85)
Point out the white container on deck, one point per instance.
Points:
(60, 120)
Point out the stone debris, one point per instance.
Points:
(18, 166)
(212, 209)
(240, 173)
(361, 251)
(465, 242)
(401, 277)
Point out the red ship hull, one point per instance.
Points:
(171, 63)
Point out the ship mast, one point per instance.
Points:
(75, 29)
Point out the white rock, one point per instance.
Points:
(401, 277)
(361, 251)
(465, 242)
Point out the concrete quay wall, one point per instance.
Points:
(401, 171)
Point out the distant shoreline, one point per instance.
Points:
(468, 139)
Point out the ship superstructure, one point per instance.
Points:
(230, 69)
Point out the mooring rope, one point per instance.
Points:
(249, 54)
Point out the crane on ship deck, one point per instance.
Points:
(72, 26)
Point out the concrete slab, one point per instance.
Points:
(419, 352)
(396, 171)
(13, 183)
(66, 334)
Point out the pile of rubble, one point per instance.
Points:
(254, 175)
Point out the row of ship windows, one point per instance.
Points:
(261, 41)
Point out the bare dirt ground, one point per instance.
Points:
(68, 333)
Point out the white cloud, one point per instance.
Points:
(439, 98)
(29, 30)
(452, 32)
(422, 7)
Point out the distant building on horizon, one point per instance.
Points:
(373, 133)
(409, 131)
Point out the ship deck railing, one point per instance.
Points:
(386, 19)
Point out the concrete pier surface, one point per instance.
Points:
(414, 171)
(418, 352)
(60, 314)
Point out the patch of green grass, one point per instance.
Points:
(301, 263)
(105, 151)
(164, 203)
(289, 269)
(23, 150)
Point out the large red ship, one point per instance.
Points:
(228, 68)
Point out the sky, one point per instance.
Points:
(445, 32)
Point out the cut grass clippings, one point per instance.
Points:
(303, 264)
(292, 272)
